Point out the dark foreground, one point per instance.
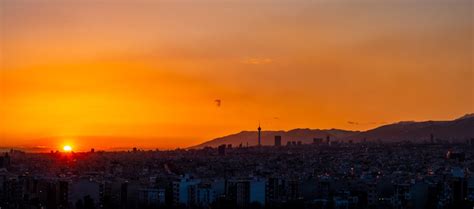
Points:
(298, 176)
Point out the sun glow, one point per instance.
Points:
(67, 148)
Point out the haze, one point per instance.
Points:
(115, 74)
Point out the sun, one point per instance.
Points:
(67, 148)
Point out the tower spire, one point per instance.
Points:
(259, 134)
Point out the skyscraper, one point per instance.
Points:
(221, 150)
(277, 141)
(317, 140)
(5, 161)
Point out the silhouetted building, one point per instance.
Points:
(63, 194)
(244, 192)
(124, 194)
(459, 156)
(221, 149)
(317, 140)
(277, 141)
(5, 161)
(357, 176)
(275, 191)
(239, 193)
(151, 197)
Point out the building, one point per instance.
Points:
(243, 192)
(80, 189)
(317, 140)
(63, 194)
(470, 189)
(5, 161)
(455, 155)
(185, 191)
(274, 190)
(280, 190)
(221, 149)
(259, 135)
(277, 141)
(205, 195)
(151, 197)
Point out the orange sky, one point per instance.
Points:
(123, 73)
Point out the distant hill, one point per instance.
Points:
(304, 135)
(458, 130)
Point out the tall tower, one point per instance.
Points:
(259, 135)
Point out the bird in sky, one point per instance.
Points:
(218, 102)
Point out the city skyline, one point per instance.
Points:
(236, 104)
(443, 131)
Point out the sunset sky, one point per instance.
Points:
(115, 74)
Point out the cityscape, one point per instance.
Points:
(236, 104)
(322, 174)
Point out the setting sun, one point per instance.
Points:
(67, 148)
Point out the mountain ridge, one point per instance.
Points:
(457, 130)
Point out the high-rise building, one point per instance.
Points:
(63, 194)
(277, 141)
(151, 197)
(221, 149)
(275, 191)
(185, 190)
(205, 195)
(124, 194)
(243, 192)
(5, 161)
(317, 140)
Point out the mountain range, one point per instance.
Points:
(458, 130)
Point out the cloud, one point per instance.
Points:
(355, 123)
(257, 61)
